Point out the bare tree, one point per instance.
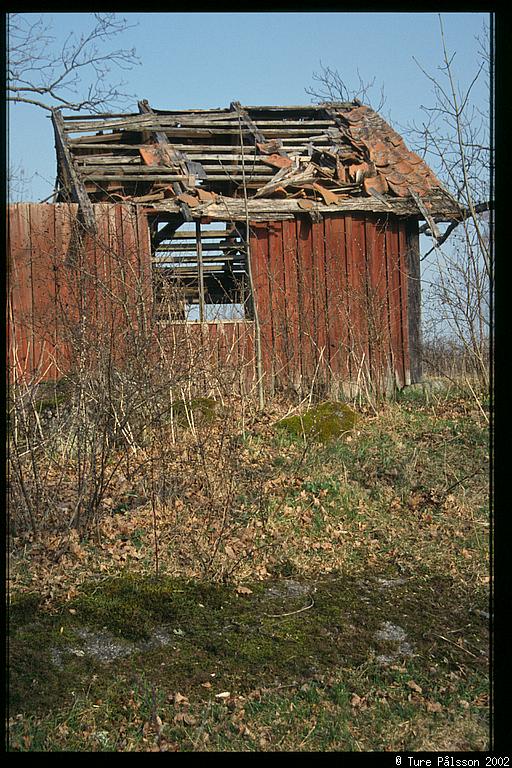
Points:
(455, 138)
(74, 75)
(18, 181)
(330, 86)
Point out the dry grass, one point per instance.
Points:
(402, 498)
(407, 487)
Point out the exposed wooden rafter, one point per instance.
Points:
(344, 152)
(176, 157)
(69, 178)
(426, 215)
(256, 135)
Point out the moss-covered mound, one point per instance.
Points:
(324, 422)
(198, 409)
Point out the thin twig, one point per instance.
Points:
(308, 735)
(466, 477)
(447, 640)
(291, 613)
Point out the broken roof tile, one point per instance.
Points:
(330, 198)
(414, 159)
(396, 140)
(184, 151)
(190, 200)
(401, 190)
(277, 161)
(205, 196)
(403, 167)
(269, 147)
(378, 183)
(395, 177)
(379, 152)
(356, 114)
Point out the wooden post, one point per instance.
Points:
(257, 328)
(200, 267)
(414, 301)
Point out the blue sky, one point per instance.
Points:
(207, 60)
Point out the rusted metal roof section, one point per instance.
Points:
(340, 156)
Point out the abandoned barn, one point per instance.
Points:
(286, 236)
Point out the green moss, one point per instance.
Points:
(35, 683)
(324, 422)
(23, 608)
(53, 394)
(283, 631)
(198, 408)
(128, 607)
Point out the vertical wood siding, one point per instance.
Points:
(333, 301)
(333, 298)
(68, 289)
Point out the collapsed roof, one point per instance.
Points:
(276, 160)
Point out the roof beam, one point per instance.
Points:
(162, 139)
(426, 215)
(257, 135)
(71, 180)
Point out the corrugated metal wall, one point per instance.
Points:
(332, 298)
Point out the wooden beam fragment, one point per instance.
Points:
(200, 266)
(426, 215)
(178, 187)
(250, 125)
(74, 181)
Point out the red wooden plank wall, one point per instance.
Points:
(332, 301)
(69, 290)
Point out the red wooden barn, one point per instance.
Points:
(287, 237)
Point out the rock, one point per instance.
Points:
(327, 421)
(289, 588)
(103, 646)
(427, 386)
(392, 633)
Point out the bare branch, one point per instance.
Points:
(455, 137)
(332, 87)
(74, 75)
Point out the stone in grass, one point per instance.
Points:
(326, 421)
(394, 634)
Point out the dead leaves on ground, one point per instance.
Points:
(314, 530)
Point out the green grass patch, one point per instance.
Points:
(370, 632)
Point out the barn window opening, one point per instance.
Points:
(200, 273)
